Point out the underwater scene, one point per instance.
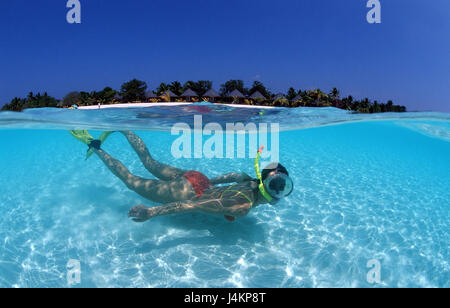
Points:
(365, 191)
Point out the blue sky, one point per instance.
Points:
(300, 43)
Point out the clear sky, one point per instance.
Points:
(305, 44)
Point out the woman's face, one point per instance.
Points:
(278, 185)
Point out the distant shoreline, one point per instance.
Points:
(134, 94)
(145, 105)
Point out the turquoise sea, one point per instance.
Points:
(367, 187)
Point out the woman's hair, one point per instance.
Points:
(273, 167)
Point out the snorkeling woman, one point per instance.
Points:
(183, 191)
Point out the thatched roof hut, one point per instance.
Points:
(257, 95)
(236, 94)
(189, 93)
(150, 94)
(211, 93)
(170, 93)
(279, 96)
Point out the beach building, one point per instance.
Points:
(189, 95)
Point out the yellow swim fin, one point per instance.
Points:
(102, 139)
(82, 135)
(86, 138)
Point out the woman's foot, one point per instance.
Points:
(95, 144)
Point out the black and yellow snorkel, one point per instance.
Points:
(262, 189)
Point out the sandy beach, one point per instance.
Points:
(145, 105)
(131, 105)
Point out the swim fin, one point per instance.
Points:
(102, 139)
(82, 135)
(86, 138)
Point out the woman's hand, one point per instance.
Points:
(139, 213)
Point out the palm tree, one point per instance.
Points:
(259, 86)
(319, 98)
(176, 87)
(334, 94)
(389, 106)
(306, 98)
(364, 106)
(334, 97)
(291, 94)
(347, 103)
(162, 88)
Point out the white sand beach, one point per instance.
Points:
(145, 105)
(131, 105)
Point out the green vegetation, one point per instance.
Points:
(176, 88)
(200, 87)
(73, 98)
(32, 101)
(258, 86)
(135, 91)
(162, 89)
(232, 85)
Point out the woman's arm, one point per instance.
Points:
(229, 207)
(234, 177)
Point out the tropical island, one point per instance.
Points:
(231, 92)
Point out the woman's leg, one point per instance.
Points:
(154, 190)
(161, 171)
